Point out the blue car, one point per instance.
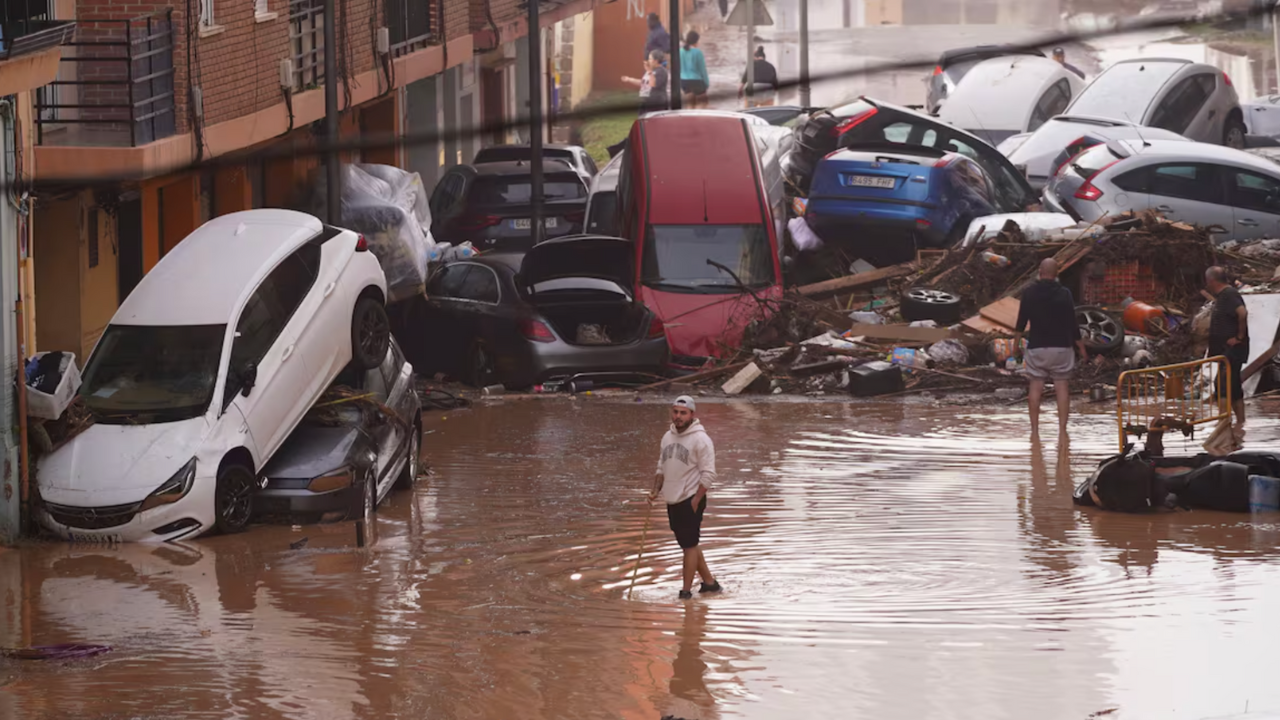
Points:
(883, 202)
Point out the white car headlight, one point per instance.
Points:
(173, 489)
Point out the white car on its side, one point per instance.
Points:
(205, 369)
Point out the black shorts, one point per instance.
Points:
(686, 522)
(1236, 356)
(693, 87)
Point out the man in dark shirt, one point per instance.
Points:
(1228, 332)
(658, 38)
(1061, 56)
(764, 86)
(1051, 311)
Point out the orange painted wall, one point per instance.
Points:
(381, 120)
(619, 41)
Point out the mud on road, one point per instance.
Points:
(880, 560)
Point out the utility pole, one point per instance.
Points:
(804, 54)
(535, 121)
(1275, 40)
(673, 83)
(751, 56)
(333, 175)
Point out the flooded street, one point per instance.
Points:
(893, 560)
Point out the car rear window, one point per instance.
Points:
(516, 189)
(1125, 91)
(1093, 160)
(513, 154)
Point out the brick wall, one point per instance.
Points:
(238, 69)
(457, 18)
(501, 11)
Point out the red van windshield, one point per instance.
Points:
(678, 258)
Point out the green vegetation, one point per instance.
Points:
(599, 132)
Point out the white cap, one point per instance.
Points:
(685, 401)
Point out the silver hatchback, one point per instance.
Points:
(1194, 100)
(1235, 193)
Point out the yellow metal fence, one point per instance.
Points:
(1179, 396)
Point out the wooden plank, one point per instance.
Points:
(1003, 311)
(742, 380)
(1253, 367)
(831, 288)
(983, 325)
(704, 375)
(900, 332)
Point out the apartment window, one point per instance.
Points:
(260, 7)
(206, 13)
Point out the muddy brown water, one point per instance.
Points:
(880, 561)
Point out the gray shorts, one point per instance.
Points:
(1052, 362)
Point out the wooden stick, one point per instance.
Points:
(704, 375)
(643, 534)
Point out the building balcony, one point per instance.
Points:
(29, 43)
(115, 86)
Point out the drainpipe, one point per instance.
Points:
(7, 109)
(1275, 40)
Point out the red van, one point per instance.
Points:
(700, 195)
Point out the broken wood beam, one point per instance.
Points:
(703, 375)
(837, 286)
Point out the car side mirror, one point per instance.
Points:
(248, 378)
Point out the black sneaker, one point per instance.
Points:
(713, 587)
(686, 595)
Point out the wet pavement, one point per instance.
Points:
(880, 560)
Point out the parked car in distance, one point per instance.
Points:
(344, 457)
(870, 121)
(1194, 100)
(701, 195)
(1262, 116)
(1195, 183)
(491, 204)
(576, 156)
(602, 200)
(954, 64)
(887, 201)
(206, 368)
(1043, 152)
(567, 307)
(1009, 95)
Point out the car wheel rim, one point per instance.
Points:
(372, 330)
(1099, 327)
(933, 297)
(236, 497)
(415, 449)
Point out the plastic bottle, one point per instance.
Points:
(995, 259)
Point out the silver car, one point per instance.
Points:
(1039, 153)
(1005, 96)
(955, 64)
(1194, 100)
(1235, 193)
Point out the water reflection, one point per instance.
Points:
(889, 561)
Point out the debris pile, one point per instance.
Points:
(945, 321)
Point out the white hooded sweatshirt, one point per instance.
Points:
(688, 460)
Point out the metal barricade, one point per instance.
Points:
(1180, 396)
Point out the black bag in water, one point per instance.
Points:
(1221, 485)
(1123, 483)
(875, 378)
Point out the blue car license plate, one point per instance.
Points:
(870, 181)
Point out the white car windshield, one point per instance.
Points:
(1125, 91)
(680, 257)
(150, 374)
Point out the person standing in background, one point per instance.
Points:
(1061, 56)
(1228, 333)
(658, 38)
(764, 88)
(694, 80)
(1048, 307)
(653, 84)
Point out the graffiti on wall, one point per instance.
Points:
(635, 9)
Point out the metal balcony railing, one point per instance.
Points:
(412, 24)
(306, 42)
(26, 26)
(115, 86)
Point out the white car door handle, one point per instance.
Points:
(329, 288)
(1248, 222)
(287, 352)
(1164, 208)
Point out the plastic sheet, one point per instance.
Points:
(389, 207)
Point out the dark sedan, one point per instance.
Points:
(490, 204)
(567, 308)
(362, 438)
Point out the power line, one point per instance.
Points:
(388, 141)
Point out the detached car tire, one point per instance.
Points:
(370, 333)
(1101, 331)
(233, 499)
(921, 303)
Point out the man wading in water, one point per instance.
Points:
(1051, 311)
(686, 470)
